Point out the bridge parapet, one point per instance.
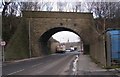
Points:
(44, 14)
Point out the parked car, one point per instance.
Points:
(60, 49)
(72, 49)
(68, 50)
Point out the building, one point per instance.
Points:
(52, 44)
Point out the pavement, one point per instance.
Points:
(87, 67)
(86, 64)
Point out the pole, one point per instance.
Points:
(29, 42)
(3, 54)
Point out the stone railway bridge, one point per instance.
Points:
(42, 25)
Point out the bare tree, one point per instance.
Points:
(28, 5)
(78, 6)
(60, 6)
(104, 9)
(10, 8)
(5, 7)
(49, 6)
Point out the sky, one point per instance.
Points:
(64, 36)
(63, 0)
(67, 0)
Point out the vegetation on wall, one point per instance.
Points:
(17, 48)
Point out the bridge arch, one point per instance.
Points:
(52, 31)
(48, 34)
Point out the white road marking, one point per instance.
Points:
(23, 69)
(53, 54)
(37, 65)
(74, 69)
(15, 72)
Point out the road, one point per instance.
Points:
(55, 64)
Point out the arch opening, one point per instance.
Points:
(44, 39)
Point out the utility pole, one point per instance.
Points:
(30, 53)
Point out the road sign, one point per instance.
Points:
(2, 43)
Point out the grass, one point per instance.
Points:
(112, 67)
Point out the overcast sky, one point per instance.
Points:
(67, 0)
(64, 36)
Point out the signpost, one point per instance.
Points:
(3, 43)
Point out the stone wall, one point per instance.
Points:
(98, 51)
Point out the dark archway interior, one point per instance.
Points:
(46, 36)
